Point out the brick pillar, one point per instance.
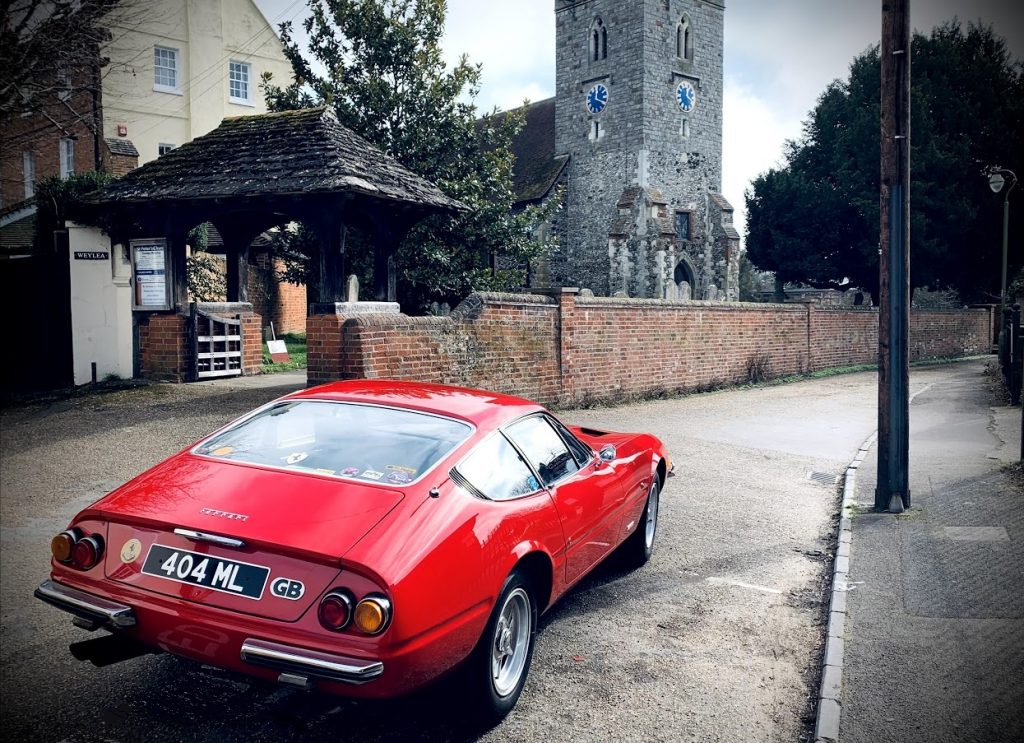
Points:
(324, 357)
(566, 297)
(325, 338)
(252, 343)
(163, 347)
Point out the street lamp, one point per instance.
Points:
(996, 181)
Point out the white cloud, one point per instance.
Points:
(754, 132)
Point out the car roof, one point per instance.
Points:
(483, 409)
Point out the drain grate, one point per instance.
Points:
(823, 478)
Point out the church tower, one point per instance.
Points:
(638, 111)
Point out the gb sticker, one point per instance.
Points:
(286, 588)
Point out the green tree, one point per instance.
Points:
(815, 220)
(387, 81)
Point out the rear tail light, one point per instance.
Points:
(373, 614)
(335, 611)
(87, 552)
(63, 544)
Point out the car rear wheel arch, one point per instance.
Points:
(538, 569)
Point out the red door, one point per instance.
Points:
(588, 500)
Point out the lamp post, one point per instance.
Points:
(996, 180)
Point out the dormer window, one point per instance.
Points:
(684, 40)
(598, 41)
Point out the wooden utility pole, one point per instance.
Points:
(893, 489)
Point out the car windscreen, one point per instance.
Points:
(369, 443)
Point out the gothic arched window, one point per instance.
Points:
(598, 41)
(684, 40)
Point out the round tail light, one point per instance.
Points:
(63, 544)
(335, 611)
(373, 614)
(87, 552)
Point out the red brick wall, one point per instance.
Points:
(277, 301)
(41, 134)
(571, 349)
(628, 347)
(945, 333)
(842, 337)
(491, 341)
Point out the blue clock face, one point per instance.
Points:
(686, 96)
(597, 99)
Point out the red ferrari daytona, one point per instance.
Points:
(364, 537)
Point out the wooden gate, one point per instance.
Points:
(216, 344)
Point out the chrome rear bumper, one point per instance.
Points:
(292, 660)
(93, 609)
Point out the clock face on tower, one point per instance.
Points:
(597, 98)
(686, 96)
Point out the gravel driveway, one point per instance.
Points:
(715, 639)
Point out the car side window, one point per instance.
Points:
(579, 450)
(497, 470)
(545, 449)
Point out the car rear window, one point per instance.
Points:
(369, 443)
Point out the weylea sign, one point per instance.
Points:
(92, 255)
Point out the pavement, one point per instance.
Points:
(928, 640)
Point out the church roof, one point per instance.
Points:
(537, 167)
(290, 152)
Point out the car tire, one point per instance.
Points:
(496, 672)
(639, 546)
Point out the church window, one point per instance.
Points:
(682, 227)
(596, 130)
(598, 41)
(684, 40)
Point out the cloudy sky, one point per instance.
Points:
(779, 56)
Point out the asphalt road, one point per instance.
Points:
(715, 639)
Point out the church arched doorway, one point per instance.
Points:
(686, 279)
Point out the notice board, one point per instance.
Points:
(151, 277)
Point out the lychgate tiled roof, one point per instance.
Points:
(291, 152)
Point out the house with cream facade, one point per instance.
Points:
(178, 67)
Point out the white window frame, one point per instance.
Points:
(28, 168)
(64, 82)
(67, 157)
(247, 67)
(163, 148)
(176, 56)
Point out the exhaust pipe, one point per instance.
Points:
(110, 649)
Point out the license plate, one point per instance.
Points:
(206, 571)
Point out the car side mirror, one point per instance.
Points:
(607, 453)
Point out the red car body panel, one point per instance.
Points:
(438, 552)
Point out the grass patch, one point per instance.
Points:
(296, 345)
